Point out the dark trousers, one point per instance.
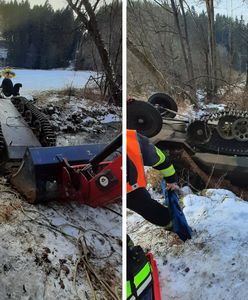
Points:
(147, 294)
(141, 202)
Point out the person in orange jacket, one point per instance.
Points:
(140, 153)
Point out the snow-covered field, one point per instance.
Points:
(214, 263)
(35, 81)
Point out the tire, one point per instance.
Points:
(162, 101)
(144, 118)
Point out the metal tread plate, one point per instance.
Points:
(15, 130)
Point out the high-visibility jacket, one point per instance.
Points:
(139, 272)
(136, 173)
(140, 153)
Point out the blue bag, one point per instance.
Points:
(179, 222)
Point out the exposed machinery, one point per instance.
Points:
(217, 141)
(90, 174)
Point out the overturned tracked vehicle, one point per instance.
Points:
(217, 142)
(41, 172)
(22, 125)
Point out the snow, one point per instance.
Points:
(37, 260)
(34, 81)
(77, 120)
(109, 118)
(213, 264)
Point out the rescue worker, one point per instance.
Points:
(8, 89)
(140, 153)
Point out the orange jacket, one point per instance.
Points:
(134, 161)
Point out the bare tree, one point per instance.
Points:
(187, 42)
(184, 39)
(212, 89)
(86, 14)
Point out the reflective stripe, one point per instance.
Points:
(144, 285)
(135, 186)
(143, 273)
(141, 281)
(128, 289)
(168, 171)
(161, 157)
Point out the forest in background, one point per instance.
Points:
(40, 37)
(173, 48)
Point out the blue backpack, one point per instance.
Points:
(179, 223)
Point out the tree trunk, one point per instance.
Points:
(177, 23)
(189, 52)
(91, 25)
(212, 48)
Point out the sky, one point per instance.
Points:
(57, 4)
(231, 8)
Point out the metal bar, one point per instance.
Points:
(171, 111)
(108, 150)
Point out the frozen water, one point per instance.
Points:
(34, 81)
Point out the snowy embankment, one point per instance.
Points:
(79, 121)
(214, 263)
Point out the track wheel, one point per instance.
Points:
(225, 126)
(198, 132)
(162, 102)
(144, 118)
(240, 130)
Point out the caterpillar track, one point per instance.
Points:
(2, 143)
(22, 126)
(222, 132)
(36, 120)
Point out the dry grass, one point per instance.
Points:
(84, 93)
(7, 213)
(237, 98)
(66, 94)
(154, 178)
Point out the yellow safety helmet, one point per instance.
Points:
(8, 73)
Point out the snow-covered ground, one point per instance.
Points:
(34, 81)
(42, 246)
(214, 263)
(77, 120)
